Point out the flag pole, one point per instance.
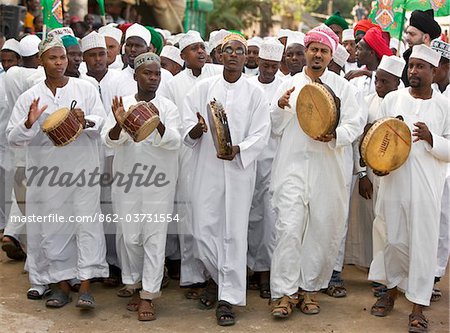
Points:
(401, 28)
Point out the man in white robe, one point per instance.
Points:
(261, 227)
(193, 52)
(141, 243)
(58, 252)
(222, 186)
(409, 198)
(359, 245)
(310, 220)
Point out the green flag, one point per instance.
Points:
(52, 13)
(101, 6)
(390, 14)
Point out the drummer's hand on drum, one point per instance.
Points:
(326, 137)
(234, 151)
(34, 113)
(422, 133)
(80, 116)
(284, 100)
(365, 188)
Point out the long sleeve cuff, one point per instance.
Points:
(440, 149)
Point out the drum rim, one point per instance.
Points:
(328, 96)
(367, 137)
(147, 124)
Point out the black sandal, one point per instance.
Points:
(224, 314)
(208, 297)
(264, 291)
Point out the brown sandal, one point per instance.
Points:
(133, 304)
(282, 307)
(308, 305)
(417, 323)
(193, 293)
(383, 306)
(146, 310)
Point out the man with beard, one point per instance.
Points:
(251, 64)
(295, 53)
(310, 222)
(412, 194)
(422, 29)
(59, 252)
(222, 185)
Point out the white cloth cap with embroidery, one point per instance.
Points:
(271, 49)
(172, 53)
(426, 53)
(392, 64)
(111, 31)
(92, 41)
(137, 30)
(340, 56)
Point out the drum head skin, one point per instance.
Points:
(316, 110)
(386, 145)
(147, 129)
(55, 119)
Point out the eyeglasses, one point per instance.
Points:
(229, 50)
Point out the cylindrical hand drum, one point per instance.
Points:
(386, 145)
(140, 121)
(218, 124)
(317, 110)
(62, 127)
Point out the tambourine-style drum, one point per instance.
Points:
(386, 145)
(62, 127)
(218, 124)
(140, 121)
(318, 109)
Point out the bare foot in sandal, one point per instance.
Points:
(385, 304)
(146, 310)
(282, 307)
(417, 323)
(133, 304)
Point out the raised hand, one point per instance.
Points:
(34, 113)
(422, 133)
(117, 108)
(284, 100)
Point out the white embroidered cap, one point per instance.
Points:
(172, 53)
(137, 30)
(191, 37)
(340, 56)
(92, 41)
(111, 31)
(271, 49)
(426, 53)
(392, 64)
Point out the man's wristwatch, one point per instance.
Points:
(362, 174)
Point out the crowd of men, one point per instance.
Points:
(280, 213)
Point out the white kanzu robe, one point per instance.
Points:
(191, 269)
(261, 227)
(222, 191)
(409, 199)
(60, 251)
(144, 209)
(310, 180)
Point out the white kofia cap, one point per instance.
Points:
(172, 53)
(255, 41)
(348, 34)
(191, 37)
(111, 31)
(92, 41)
(283, 33)
(271, 49)
(137, 30)
(12, 45)
(29, 45)
(392, 64)
(216, 37)
(295, 37)
(340, 56)
(426, 53)
(60, 32)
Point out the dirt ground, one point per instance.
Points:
(177, 314)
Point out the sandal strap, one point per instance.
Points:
(384, 302)
(420, 318)
(224, 309)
